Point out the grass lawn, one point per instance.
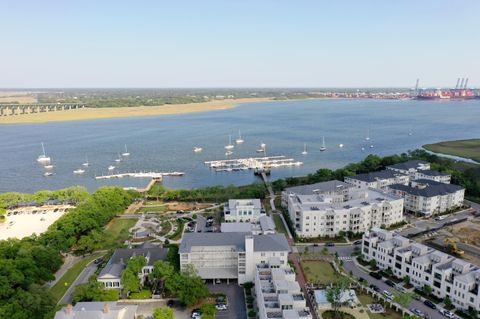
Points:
(463, 148)
(152, 209)
(144, 294)
(279, 224)
(116, 232)
(389, 313)
(178, 233)
(59, 289)
(320, 272)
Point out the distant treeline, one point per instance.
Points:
(25, 265)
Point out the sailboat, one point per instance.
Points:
(43, 158)
(118, 159)
(367, 138)
(48, 174)
(229, 146)
(78, 171)
(126, 153)
(111, 168)
(323, 147)
(197, 149)
(86, 163)
(228, 153)
(48, 166)
(262, 148)
(239, 140)
(304, 149)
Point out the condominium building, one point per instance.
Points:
(325, 215)
(243, 210)
(231, 256)
(337, 190)
(429, 197)
(446, 275)
(265, 225)
(410, 167)
(379, 180)
(433, 176)
(278, 294)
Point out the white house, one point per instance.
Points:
(325, 215)
(231, 256)
(100, 309)
(433, 175)
(410, 167)
(111, 275)
(243, 210)
(278, 294)
(337, 190)
(446, 275)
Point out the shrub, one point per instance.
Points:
(252, 313)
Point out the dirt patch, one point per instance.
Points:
(467, 232)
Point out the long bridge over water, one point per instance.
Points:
(18, 109)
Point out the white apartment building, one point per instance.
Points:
(278, 294)
(379, 180)
(231, 256)
(410, 167)
(243, 210)
(324, 215)
(429, 197)
(447, 275)
(337, 190)
(264, 226)
(433, 176)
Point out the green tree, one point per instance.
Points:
(403, 299)
(448, 302)
(335, 293)
(189, 288)
(208, 311)
(130, 277)
(427, 290)
(373, 264)
(406, 280)
(163, 313)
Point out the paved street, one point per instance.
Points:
(81, 279)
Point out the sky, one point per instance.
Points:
(262, 43)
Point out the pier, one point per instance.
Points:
(239, 164)
(153, 175)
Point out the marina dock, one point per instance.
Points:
(152, 175)
(239, 164)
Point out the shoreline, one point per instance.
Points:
(465, 150)
(125, 112)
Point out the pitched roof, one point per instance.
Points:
(374, 176)
(412, 164)
(97, 310)
(318, 187)
(431, 189)
(430, 172)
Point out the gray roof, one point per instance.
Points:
(97, 310)
(236, 227)
(266, 223)
(374, 176)
(413, 164)
(272, 242)
(120, 257)
(432, 188)
(318, 188)
(233, 203)
(430, 172)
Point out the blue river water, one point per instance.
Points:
(165, 143)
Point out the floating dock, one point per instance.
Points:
(239, 164)
(152, 175)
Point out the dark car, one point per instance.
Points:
(357, 242)
(375, 288)
(98, 261)
(375, 275)
(330, 244)
(390, 283)
(430, 304)
(171, 303)
(315, 245)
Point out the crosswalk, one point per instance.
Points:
(345, 258)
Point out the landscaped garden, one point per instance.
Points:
(319, 272)
(389, 313)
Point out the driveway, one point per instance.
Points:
(236, 301)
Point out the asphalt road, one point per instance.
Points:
(81, 279)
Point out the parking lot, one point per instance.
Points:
(236, 300)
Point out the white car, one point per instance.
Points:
(221, 306)
(446, 313)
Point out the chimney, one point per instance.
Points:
(69, 309)
(106, 308)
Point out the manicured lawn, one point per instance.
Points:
(144, 294)
(463, 148)
(152, 209)
(279, 224)
(178, 233)
(59, 289)
(389, 313)
(166, 228)
(116, 232)
(320, 272)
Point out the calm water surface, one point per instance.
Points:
(165, 143)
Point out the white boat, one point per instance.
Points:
(367, 138)
(48, 174)
(197, 149)
(260, 150)
(229, 146)
(49, 166)
(371, 146)
(43, 158)
(126, 153)
(340, 145)
(86, 163)
(239, 140)
(263, 145)
(111, 168)
(118, 159)
(79, 171)
(304, 149)
(410, 133)
(363, 149)
(228, 153)
(323, 147)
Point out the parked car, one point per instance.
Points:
(439, 218)
(375, 275)
(330, 244)
(373, 287)
(447, 313)
(390, 283)
(196, 314)
(417, 312)
(387, 294)
(430, 304)
(98, 260)
(221, 306)
(357, 242)
(401, 288)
